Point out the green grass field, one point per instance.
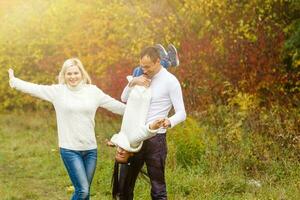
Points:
(31, 168)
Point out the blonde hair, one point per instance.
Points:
(73, 62)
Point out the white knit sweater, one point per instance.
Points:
(75, 110)
(134, 129)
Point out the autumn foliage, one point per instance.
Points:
(234, 56)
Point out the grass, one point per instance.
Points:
(31, 168)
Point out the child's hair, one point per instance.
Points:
(128, 180)
(115, 180)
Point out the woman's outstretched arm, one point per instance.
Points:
(45, 92)
(109, 103)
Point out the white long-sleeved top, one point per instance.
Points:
(165, 92)
(75, 110)
(133, 129)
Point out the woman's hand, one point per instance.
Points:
(11, 73)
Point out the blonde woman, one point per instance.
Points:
(75, 101)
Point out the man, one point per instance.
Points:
(133, 129)
(165, 94)
(168, 58)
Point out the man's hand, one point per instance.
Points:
(166, 123)
(140, 80)
(11, 73)
(156, 124)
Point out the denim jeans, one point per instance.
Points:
(81, 166)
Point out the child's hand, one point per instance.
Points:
(140, 80)
(166, 123)
(109, 143)
(11, 73)
(157, 124)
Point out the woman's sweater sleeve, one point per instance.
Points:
(109, 103)
(45, 92)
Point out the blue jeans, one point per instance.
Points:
(81, 166)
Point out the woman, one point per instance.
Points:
(75, 101)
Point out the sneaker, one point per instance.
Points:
(173, 56)
(162, 52)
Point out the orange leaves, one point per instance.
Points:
(235, 41)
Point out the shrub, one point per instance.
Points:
(189, 143)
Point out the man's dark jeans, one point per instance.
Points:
(153, 153)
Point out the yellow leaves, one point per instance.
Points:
(188, 138)
(244, 101)
(296, 63)
(70, 188)
(240, 106)
(219, 44)
(235, 131)
(245, 31)
(296, 59)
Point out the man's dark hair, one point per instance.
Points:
(150, 51)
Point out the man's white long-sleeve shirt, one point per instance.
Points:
(75, 110)
(165, 93)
